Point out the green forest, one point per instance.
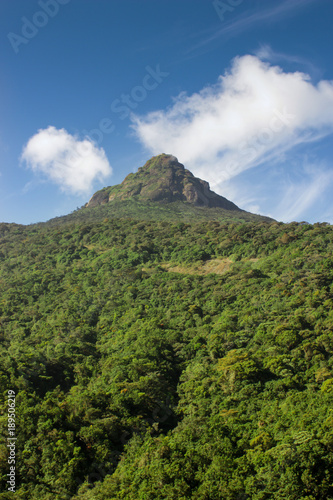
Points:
(167, 360)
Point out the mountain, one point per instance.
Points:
(163, 189)
(163, 179)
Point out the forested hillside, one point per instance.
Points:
(161, 360)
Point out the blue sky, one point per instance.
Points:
(240, 91)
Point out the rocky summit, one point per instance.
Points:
(163, 179)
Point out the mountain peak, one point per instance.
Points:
(161, 161)
(163, 179)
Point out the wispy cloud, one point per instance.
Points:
(266, 53)
(296, 190)
(242, 21)
(301, 196)
(70, 163)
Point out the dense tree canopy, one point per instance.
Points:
(160, 360)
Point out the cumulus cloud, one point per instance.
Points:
(254, 114)
(70, 163)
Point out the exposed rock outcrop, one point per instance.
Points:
(166, 180)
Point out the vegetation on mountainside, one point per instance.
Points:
(154, 211)
(160, 190)
(140, 374)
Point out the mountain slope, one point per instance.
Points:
(158, 360)
(163, 189)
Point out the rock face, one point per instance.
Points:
(163, 179)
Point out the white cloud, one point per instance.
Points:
(70, 163)
(255, 113)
